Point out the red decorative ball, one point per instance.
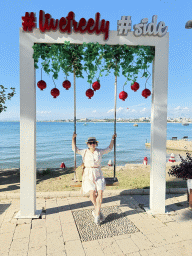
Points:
(41, 84)
(89, 93)
(96, 85)
(123, 95)
(135, 86)
(66, 84)
(55, 92)
(146, 93)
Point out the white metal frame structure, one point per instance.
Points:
(28, 111)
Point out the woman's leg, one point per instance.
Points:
(99, 201)
(93, 198)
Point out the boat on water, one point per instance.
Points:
(185, 123)
(85, 124)
(135, 125)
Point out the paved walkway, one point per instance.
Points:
(57, 232)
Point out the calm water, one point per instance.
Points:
(54, 142)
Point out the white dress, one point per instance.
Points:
(93, 178)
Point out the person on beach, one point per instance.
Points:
(93, 180)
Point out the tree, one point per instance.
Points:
(4, 97)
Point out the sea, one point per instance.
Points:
(53, 142)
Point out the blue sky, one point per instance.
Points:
(175, 13)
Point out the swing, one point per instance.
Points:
(112, 181)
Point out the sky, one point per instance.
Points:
(175, 14)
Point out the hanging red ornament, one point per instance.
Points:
(89, 93)
(123, 95)
(41, 84)
(55, 92)
(67, 84)
(135, 86)
(146, 93)
(96, 85)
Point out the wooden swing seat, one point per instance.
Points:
(109, 182)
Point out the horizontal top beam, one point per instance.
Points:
(53, 37)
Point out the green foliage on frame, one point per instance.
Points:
(68, 57)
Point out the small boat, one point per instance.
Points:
(85, 124)
(135, 125)
(185, 123)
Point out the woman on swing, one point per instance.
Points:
(93, 180)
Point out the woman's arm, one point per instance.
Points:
(73, 141)
(112, 141)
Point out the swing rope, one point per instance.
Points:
(115, 103)
(74, 123)
(115, 125)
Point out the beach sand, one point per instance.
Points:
(177, 145)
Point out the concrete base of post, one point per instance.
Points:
(149, 211)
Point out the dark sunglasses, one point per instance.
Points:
(92, 142)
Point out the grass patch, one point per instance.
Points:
(56, 179)
(129, 178)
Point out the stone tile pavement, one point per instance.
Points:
(56, 232)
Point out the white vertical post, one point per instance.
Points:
(27, 131)
(159, 130)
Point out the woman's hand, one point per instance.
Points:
(73, 141)
(74, 135)
(114, 135)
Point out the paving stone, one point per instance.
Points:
(38, 251)
(127, 245)
(37, 238)
(143, 253)
(171, 234)
(20, 244)
(18, 253)
(74, 248)
(158, 251)
(141, 241)
(7, 228)
(24, 221)
(156, 239)
(22, 231)
(168, 234)
(66, 217)
(5, 242)
(55, 243)
(184, 230)
(110, 247)
(60, 253)
(69, 231)
(134, 254)
(38, 223)
(92, 248)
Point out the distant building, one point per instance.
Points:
(102, 120)
(83, 120)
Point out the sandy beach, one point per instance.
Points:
(177, 145)
(130, 176)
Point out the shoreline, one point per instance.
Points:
(38, 121)
(102, 167)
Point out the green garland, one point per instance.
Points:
(69, 57)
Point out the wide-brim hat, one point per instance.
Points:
(91, 139)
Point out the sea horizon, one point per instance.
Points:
(53, 142)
